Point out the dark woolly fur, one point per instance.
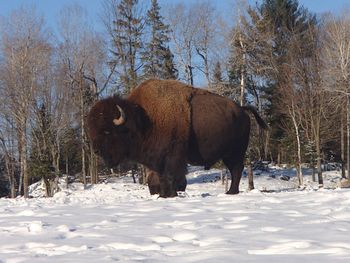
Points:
(169, 124)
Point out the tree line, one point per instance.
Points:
(291, 64)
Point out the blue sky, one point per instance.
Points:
(50, 8)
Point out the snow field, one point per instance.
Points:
(120, 221)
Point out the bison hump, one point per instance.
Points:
(167, 104)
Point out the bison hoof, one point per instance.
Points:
(168, 195)
(230, 192)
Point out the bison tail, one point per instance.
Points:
(258, 119)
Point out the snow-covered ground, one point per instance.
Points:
(120, 221)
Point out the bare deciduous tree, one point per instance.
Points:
(336, 56)
(24, 48)
(185, 25)
(82, 56)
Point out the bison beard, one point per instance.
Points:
(165, 124)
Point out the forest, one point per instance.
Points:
(289, 63)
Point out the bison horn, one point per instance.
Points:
(121, 119)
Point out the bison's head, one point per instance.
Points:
(116, 128)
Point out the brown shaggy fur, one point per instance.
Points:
(169, 124)
(164, 102)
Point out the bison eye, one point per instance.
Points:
(106, 132)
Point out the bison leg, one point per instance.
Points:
(153, 181)
(236, 169)
(167, 186)
(173, 179)
(181, 183)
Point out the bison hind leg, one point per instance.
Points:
(235, 167)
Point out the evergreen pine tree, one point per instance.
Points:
(169, 69)
(217, 75)
(128, 29)
(277, 22)
(157, 57)
(240, 64)
(218, 84)
(235, 68)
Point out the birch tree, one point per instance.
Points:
(8, 151)
(81, 60)
(24, 47)
(336, 54)
(204, 41)
(184, 24)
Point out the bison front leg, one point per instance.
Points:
(167, 186)
(174, 173)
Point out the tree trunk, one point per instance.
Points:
(133, 172)
(266, 145)
(299, 170)
(83, 154)
(319, 168)
(250, 176)
(342, 146)
(190, 74)
(279, 157)
(12, 180)
(206, 67)
(143, 174)
(24, 165)
(348, 137)
(67, 170)
(189, 68)
(93, 166)
(57, 164)
(83, 166)
(297, 135)
(20, 183)
(313, 173)
(11, 177)
(242, 85)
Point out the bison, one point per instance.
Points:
(166, 124)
